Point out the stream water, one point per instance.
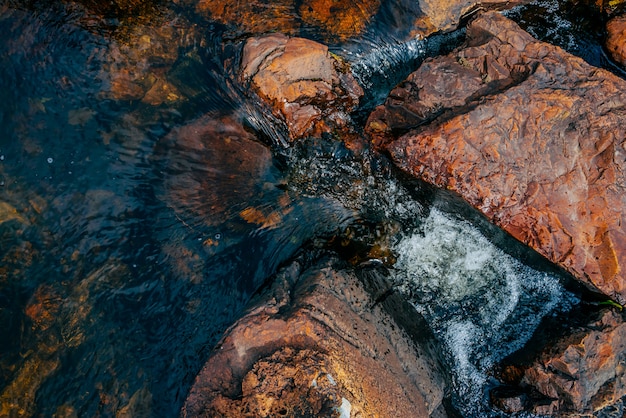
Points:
(126, 254)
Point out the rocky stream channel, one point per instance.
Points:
(312, 208)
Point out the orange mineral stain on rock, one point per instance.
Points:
(257, 16)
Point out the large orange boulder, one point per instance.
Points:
(318, 343)
(258, 16)
(616, 39)
(528, 134)
(309, 88)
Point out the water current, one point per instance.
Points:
(128, 244)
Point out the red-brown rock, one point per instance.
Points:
(213, 165)
(340, 19)
(316, 344)
(616, 39)
(585, 371)
(258, 16)
(532, 137)
(445, 15)
(307, 87)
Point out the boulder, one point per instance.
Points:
(616, 39)
(309, 88)
(337, 21)
(317, 343)
(528, 134)
(582, 373)
(445, 15)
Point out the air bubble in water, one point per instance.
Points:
(50, 160)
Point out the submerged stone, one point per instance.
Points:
(616, 39)
(342, 19)
(214, 166)
(316, 343)
(136, 63)
(532, 137)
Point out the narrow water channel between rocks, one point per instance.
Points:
(139, 214)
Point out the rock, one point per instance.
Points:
(333, 20)
(339, 19)
(252, 17)
(306, 86)
(228, 166)
(445, 15)
(9, 213)
(508, 400)
(616, 39)
(529, 135)
(18, 398)
(611, 7)
(136, 64)
(582, 373)
(317, 344)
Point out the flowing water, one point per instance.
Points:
(128, 245)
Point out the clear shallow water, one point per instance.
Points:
(125, 253)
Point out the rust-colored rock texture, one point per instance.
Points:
(579, 375)
(584, 372)
(440, 15)
(531, 136)
(317, 344)
(336, 19)
(306, 86)
(616, 39)
(342, 19)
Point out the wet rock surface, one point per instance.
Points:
(446, 15)
(318, 343)
(616, 39)
(526, 133)
(306, 86)
(581, 373)
(338, 21)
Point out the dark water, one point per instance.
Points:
(126, 251)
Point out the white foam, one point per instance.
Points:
(481, 303)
